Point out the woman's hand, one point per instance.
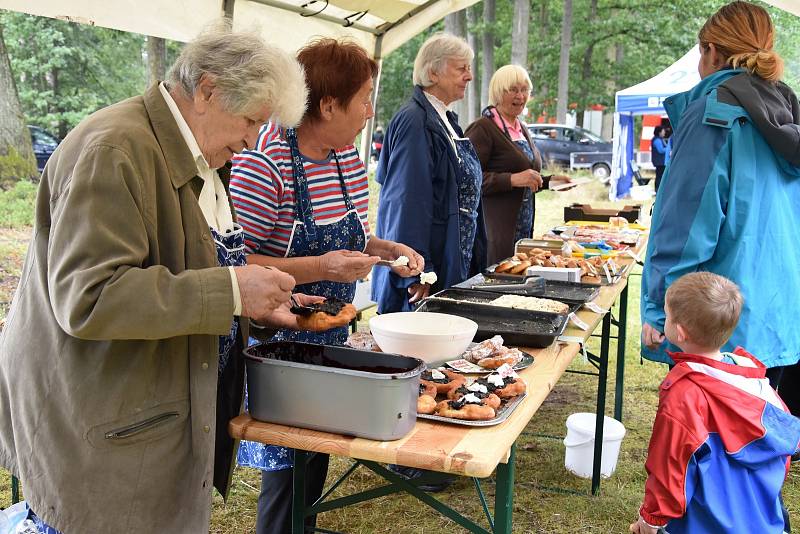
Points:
(416, 263)
(527, 178)
(640, 527)
(345, 265)
(418, 292)
(651, 337)
(282, 317)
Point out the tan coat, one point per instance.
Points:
(108, 359)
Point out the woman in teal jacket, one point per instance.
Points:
(730, 199)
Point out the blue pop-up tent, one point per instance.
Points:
(646, 97)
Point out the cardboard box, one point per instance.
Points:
(563, 274)
(556, 246)
(585, 212)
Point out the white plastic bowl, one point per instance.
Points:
(432, 337)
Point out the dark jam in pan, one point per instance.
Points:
(491, 387)
(310, 354)
(458, 404)
(480, 394)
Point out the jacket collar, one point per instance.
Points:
(677, 104)
(759, 371)
(431, 116)
(180, 162)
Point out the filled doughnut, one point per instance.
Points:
(468, 407)
(427, 389)
(505, 388)
(322, 316)
(506, 266)
(510, 356)
(362, 341)
(479, 390)
(519, 269)
(443, 380)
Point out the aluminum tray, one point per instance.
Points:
(504, 411)
(335, 389)
(522, 328)
(567, 292)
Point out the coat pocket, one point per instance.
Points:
(142, 427)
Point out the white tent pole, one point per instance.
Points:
(366, 133)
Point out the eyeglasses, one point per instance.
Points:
(518, 90)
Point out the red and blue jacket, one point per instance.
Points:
(720, 449)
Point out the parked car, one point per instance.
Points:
(44, 144)
(557, 142)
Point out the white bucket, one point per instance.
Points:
(580, 444)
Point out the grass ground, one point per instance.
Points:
(540, 461)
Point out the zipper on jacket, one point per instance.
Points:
(141, 426)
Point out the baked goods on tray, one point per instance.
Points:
(491, 354)
(442, 379)
(362, 341)
(468, 407)
(322, 316)
(530, 303)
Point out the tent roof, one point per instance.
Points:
(647, 96)
(380, 26)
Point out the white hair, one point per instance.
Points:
(503, 79)
(434, 54)
(248, 72)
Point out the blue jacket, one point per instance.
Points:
(658, 151)
(729, 203)
(419, 202)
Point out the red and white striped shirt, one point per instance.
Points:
(262, 190)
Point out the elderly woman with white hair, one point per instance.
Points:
(510, 161)
(430, 180)
(129, 308)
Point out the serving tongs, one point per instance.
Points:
(530, 284)
(299, 309)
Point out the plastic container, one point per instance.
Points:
(335, 389)
(432, 337)
(580, 444)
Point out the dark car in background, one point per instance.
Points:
(557, 142)
(44, 144)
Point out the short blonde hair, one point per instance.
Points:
(248, 72)
(707, 306)
(743, 34)
(434, 54)
(503, 79)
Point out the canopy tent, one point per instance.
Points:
(380, 26)
(646, 97)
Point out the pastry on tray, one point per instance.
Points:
(442, 379)
(469, 407)
(503, 387)
(362, 341)
(322, 316)
(491, 354)
(479, 390)
(426, 404)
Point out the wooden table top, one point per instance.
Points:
(462, 450)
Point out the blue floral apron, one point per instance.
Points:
(524, 227)
(310, 239)
(469, 178)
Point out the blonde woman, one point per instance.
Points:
(510, 161)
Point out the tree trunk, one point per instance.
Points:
(586, 70)
(156, 59)
(15, 140)
(544, 22)
(563, 64)
(473, 100)
(519, 32)
(456, 24)
(488, 49)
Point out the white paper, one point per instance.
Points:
(578, 322)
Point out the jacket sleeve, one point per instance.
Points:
(659, 146)
(689, 212)
(405, 210)
(672, 469)
(493, 182)
(101, 281)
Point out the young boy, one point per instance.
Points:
(722, 437)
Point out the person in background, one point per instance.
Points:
(510, 161)
(302, 199)
(729, 201)
(658, 151)
(120, 359)
(717, 455)
(430, 180)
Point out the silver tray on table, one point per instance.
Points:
(502, 414)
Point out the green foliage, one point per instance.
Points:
(14, 167)
(65, 71)
(17, 205)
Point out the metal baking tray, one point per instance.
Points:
(522, 328)
(335, 389)
(477, 296)
(501, 415)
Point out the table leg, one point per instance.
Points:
(299, 493)
(14, 490)
(622, 332)
(504, 495)
(601, 404)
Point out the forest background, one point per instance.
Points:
(579, 53)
